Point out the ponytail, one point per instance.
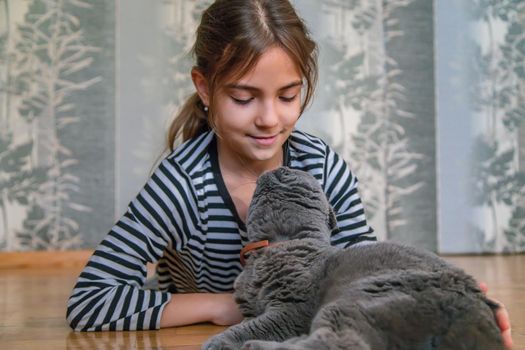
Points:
(189, 122)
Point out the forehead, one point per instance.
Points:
(274, 70)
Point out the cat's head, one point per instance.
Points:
(289, 204)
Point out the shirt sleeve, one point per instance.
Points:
(109, 293)
(341, 190)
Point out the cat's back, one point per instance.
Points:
(412, 295)
(378, 258)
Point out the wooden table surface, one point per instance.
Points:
(33, 304)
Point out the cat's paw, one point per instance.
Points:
(220, 342)
(262, 345)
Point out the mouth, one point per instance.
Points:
(264, 140)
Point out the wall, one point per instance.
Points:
(424, 99)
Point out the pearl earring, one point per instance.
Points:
(205, 108)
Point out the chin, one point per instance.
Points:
(261, 156)
(260, 153)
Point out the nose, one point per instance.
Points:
(268, 116)
(281, 172)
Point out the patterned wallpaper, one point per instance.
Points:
(424, 99)
(481, 108)
(57, 124)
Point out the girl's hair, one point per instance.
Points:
(231, 37)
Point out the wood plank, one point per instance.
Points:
(44, 259)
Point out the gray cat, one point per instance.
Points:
(302, 293)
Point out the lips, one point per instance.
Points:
(264, 140)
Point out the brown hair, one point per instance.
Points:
(231, 37)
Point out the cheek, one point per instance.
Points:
(291, 114)
(231, 117)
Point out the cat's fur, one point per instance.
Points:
(305, 294)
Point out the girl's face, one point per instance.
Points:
(255, 115)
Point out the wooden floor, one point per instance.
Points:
(33, 299)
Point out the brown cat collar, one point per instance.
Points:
(253, 246)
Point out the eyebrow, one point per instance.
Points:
(253, 88)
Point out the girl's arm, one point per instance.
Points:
(109, 293)
(184, 309)
(340, 186)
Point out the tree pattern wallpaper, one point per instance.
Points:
(424, 99)
(480, 102)
(498, 102)
(56, 111)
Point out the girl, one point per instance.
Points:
(255, 73)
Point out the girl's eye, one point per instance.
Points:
(242, 101)
(287, 99)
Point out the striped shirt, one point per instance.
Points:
(185, 220)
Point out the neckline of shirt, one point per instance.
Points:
(221, 185)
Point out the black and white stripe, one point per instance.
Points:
(184, 219)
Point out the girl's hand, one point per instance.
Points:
(226, 312)
(191, 308)
(502, 318)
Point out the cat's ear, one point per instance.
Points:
(332, 220)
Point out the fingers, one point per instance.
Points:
(483, 286)
(507, 339)
(502, 318)
(503, 321)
